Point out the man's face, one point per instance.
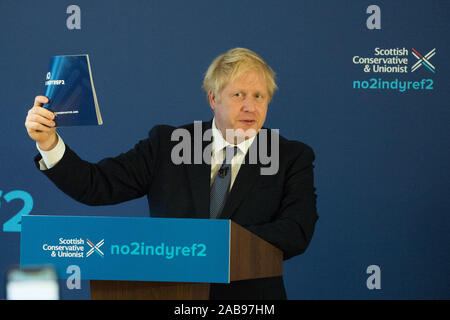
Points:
(242, 104)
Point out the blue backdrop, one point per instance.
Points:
(382, 153)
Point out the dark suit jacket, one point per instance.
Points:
(279, 208)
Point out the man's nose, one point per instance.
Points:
(248, 105)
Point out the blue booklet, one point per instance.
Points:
(70, 88)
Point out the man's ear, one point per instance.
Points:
(212, 99)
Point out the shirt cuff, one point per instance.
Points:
(52, 157)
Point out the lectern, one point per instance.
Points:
(148, 258)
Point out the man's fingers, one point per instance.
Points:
(35, 126)
(40, 100)
(38, 109)
(42, 112)
(34, 117)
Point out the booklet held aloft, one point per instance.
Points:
(70, 88)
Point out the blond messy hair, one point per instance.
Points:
(232, 64)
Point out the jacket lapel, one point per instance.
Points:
(246, 179)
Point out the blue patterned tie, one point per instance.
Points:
(221, 184)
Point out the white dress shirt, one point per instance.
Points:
(51, 158)
(218, 153)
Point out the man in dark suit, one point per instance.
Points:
(274, 199)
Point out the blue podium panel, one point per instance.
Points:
(134, 249)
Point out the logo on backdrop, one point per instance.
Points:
(95, 248)
(423, 60)
(398, 69)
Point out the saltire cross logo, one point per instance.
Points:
(423, 60)
(95, 248)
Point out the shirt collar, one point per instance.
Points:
(219, 142)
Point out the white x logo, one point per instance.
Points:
(95, 248)
(423, 60)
